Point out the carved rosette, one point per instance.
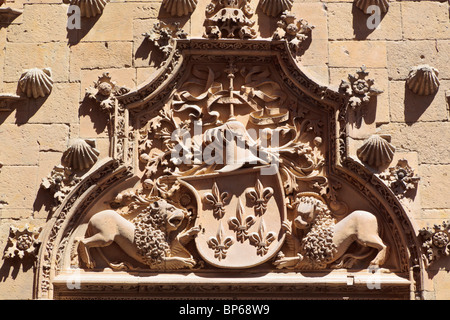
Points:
(359, 89)
(401, 178)
(435, 242)
(22, 242)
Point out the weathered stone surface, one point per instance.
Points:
(99, 55)
(432, 22)
(23, 178)
(52, 54)
(409, 107)
(433, 183)
(430, 140)
(354, 54)
(347, 22)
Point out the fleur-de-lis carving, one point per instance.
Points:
(217, 200)
(220, 245)
(260, 196)
(262, 240)
(240, 225)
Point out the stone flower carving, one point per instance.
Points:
(359, 88)
(259, 196)
(292, 30)
(81, 154)
(219, 244)
(273, 8)
(22, 242)
(401, 178)
(435, 242)
(104, 91)
(241, 225)
(217, 199)
(36, 82)
(423, 80)
(261, 239)
(179, 7)
(162, 35)
(376, 151)
(229, 19)
(60, 182)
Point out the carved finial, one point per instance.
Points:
(359, 88)
(36, 82)
(22, 242)
(292, 30)
(376, 151)
(229, 19)
(163, 34)
(423, 80)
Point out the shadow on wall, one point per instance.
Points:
(12, 266)
(361, 21)
(415, 105)
(89, 109)
(74, 36)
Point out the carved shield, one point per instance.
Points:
(240, 214)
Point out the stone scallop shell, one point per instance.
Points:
(81, 154)
(90, 8)
(364, 4)
(36, 82)
(273, 8)
(423, 80)
(179, 7)
(376, 151)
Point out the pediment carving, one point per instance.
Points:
(230, 161)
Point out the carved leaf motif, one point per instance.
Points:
(260, 196)
(220, 245)
(240, 225)
(217, 200)
(262, 240)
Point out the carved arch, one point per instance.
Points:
(134, 109)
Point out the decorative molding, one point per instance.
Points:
(401, 178)
(163, 36)
(80, 155)
(376, 151)
(179, 7)
(435, 242)
(36, 82)
(423, 80)
(7, 100)
(273, 8)
(22, 242)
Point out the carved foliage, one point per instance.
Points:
(294, 31)
(435, 242)
(163, 35)
(401, 178)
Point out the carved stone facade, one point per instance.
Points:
(225, 149)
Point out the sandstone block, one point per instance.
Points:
(354, 54)
(425, 20)
(99, 55)
(434, 184)
(18, 186)
(409, 107)
(23, 56)
(347, 22)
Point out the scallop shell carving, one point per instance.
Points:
(364, 4)
(376, 151)
(179, 7)
(81, 154)
(423, 80)
(36, 82)
(274, 7)
(90, 8)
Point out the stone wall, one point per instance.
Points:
(36, 132)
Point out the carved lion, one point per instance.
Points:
(326, 242)
(151, 238)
